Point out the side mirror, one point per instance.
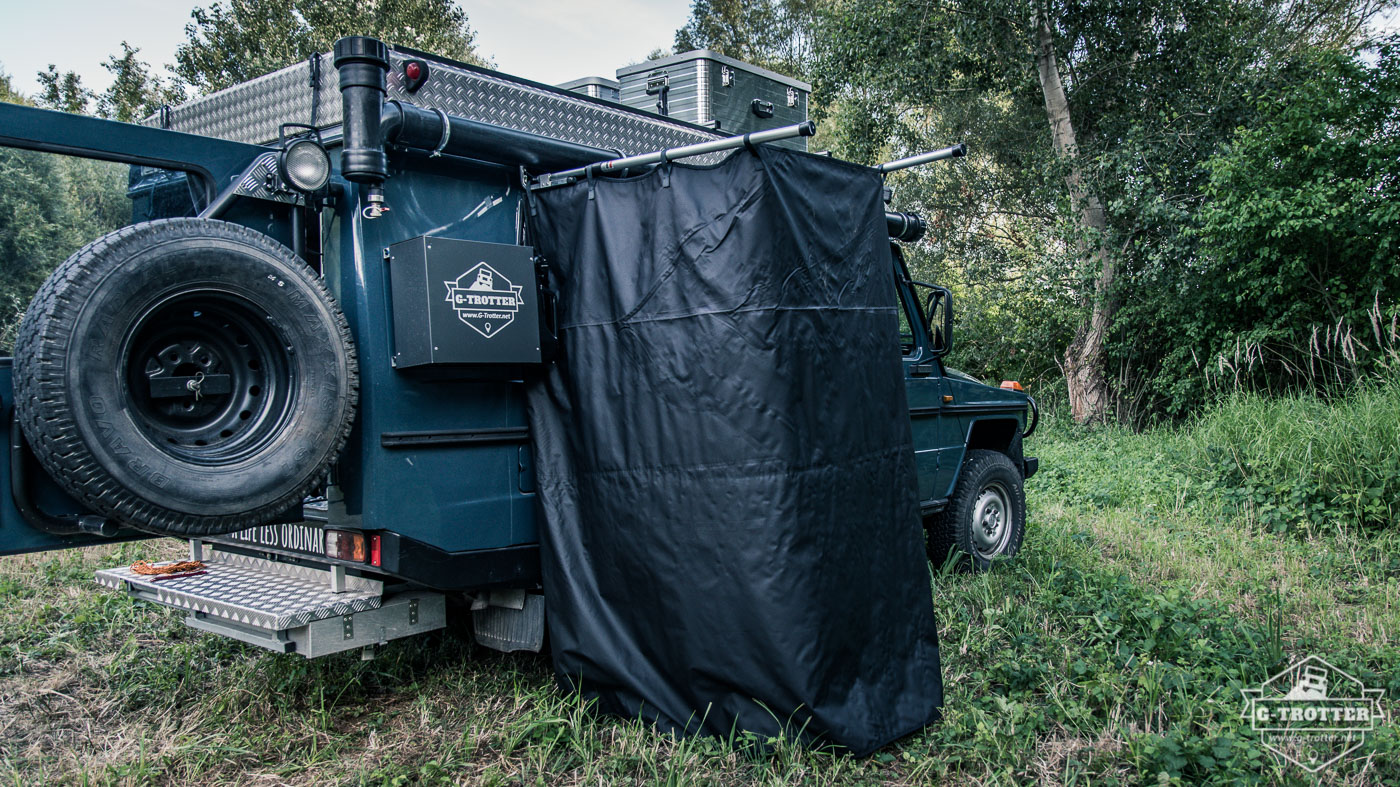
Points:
(939, 313)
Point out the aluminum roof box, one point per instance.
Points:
(713, 90)
(595, 87)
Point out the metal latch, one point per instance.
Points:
(659, 85)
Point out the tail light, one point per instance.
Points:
(346, 545)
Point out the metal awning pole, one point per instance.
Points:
(924, 158)
(806, 129)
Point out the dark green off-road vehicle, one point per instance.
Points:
(263, 360)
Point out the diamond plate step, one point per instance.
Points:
(250, 591)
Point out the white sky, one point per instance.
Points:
(549, 41)
(1388, 21)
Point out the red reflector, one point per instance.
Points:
(374, 550)
(344, 545)
(412, 70)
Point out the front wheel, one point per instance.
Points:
(986, 516)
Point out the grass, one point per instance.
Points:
(1300, 462)
(1111, 651)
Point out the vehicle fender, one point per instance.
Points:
(994, 432)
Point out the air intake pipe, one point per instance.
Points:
(363, 63)
(409, 126)
(369, 122)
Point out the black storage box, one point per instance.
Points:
(459, 302)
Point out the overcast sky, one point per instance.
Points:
(548, 41)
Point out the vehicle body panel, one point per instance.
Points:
(455, 495)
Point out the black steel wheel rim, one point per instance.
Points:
(208, 377)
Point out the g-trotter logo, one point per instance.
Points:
(484, 299)
(1313, 714)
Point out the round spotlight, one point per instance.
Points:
(305, 165)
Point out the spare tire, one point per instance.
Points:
(186, 377)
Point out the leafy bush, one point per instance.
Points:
(1278, 273)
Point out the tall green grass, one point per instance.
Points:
(1303, 462)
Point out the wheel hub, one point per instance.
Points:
(991, 528)
(208, 376)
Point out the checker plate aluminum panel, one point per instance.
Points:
(252, 111)
(251, 591)
(262, 182)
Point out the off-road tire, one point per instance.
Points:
(983, 473)
(194, 302)
(938, 530)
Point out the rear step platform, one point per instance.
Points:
(283, 607)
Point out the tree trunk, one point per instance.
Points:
(1089, 394)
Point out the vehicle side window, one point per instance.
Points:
(157, 193)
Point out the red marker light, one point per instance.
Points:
(415, 73)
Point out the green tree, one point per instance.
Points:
(50, 205)
(63, 91)
(1133, 95)
(135, 93)
(8, 94)
(1300, 225)
(233, 41)
(776, 34)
